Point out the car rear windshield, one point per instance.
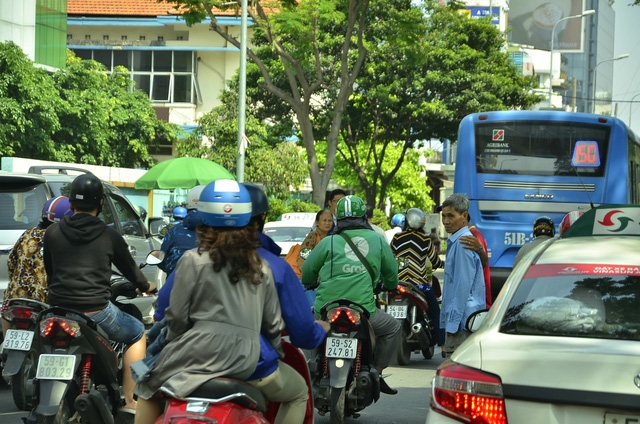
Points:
(21, 209)
(281, 234)
(600, 302)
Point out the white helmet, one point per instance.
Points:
(415, 218)
(193, 197)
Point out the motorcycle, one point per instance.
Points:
(228, 401)
(345, 380)
(79, 370)
(409, 306)
(21, 353)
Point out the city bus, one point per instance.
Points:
(518, 165)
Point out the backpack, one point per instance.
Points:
(292, 259)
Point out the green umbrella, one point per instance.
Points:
(182, 173)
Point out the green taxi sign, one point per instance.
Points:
(607, 220)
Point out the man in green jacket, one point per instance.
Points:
(340, 274)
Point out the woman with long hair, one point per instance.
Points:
(224, 297)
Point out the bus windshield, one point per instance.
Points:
(542, 148)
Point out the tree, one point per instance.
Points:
(277, 164)
(307, 55)
(28, 106)
(418, 87)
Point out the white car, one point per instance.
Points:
(290, 229)
(561, 343)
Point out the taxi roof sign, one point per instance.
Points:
(607, 220)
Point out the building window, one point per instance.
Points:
(143, 37)
(105, 37)
(166, 76)
(123, 37)
(87, 37)
(179, 38)
(160, 38)
(69, 37)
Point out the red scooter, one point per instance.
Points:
(228, 401)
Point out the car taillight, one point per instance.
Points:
(468, 395)
(191, 420)
(53, 326)
(342, 319)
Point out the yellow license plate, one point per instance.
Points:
(55, 367)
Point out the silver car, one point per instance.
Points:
(29, 192)
(561, 343)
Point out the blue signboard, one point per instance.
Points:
(483, 12)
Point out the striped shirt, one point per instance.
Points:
(418, 254)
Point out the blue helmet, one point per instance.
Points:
(398, 220)
(179, 212)
(225, 203)
(56, 208)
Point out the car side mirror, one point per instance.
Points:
(475, 320)
(156, 224)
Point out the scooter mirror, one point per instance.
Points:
(155, 257)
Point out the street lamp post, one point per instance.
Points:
(631, 107)
(595, 75)
(553, 31)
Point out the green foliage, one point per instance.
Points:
(380, 219)
(79, 114)
(29, 103)
(279, 165)
(278, 206)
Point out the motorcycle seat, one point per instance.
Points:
(247, 395)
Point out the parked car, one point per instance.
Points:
(561, 343)
(22, 196)
(290, 229)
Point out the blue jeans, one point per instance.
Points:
(119, 326)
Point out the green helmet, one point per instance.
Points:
(350, 207)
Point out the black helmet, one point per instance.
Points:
(259, 201)
(544, 226)
(86, 192)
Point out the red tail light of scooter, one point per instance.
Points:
(54, 326)
(20, 316)
(343, 318)
(468, 395)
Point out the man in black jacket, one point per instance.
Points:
(78, 253)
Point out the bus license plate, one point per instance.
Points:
(18, 340)
(55, 367)
(338, 347)
(620, 418)
(399, 312)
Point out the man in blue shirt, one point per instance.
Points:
(464, 290)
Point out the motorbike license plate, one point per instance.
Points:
(399, 312)
(620, 418)
(18, 340)
(55, 367)
(339, 347)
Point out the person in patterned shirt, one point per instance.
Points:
(27, 276)
(413, 248)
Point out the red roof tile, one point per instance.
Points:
(123, 8)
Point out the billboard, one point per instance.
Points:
(532, 23)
